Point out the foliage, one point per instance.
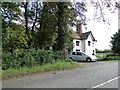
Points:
(10, 13)
(111, 56)
(14, 38)
(116, 42)
(103, 51)
(46, 34)
(107, 56)
(29, 57)
(80, 11)
(62, 23)
(49, 21)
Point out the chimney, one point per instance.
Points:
(79, 28)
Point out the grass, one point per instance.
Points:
(59, 65)
(110, 60)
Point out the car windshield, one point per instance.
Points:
(83, 54)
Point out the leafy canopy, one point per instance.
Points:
(116, 42)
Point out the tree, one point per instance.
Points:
(50, 21)
(13, 35)
(46, 32)
(30, 17)
(61, 25)
(99, 6)
(116, 42)
(80, 8)
(65, 17)
(10, 13)
(14, 38)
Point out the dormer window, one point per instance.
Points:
(89, 43)
(77, 43)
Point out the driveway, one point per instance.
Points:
(90, 75)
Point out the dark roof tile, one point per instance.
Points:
(83, 36)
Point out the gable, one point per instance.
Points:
(86, 35)
(92, 37)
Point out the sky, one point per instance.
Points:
(102, 32)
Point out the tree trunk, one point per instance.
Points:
(26, 18)
(35, 19)
(60, 24)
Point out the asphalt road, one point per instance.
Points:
(90, 75)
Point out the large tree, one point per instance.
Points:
(65, 18)
(116, 42)
(46, 31)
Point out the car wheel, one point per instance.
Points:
(88, 59)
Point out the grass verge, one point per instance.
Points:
(59, 65)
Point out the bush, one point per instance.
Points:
(28, 58)
(58, 55)
(100, 56)
(107, 56)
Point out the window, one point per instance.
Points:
(77, 50)
(89, 43)
(77, 43)
(78, 53)
(83, 54)
(73, 53)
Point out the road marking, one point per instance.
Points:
(105, 82)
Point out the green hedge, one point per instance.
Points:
(107, 56)
(28, 58)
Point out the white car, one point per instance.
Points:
(80, 56)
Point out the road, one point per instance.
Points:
(90, 75)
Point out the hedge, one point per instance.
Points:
(28, 58)
(107, 56)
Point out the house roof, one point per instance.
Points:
(86, 34)
(83, 36)
(75, 35)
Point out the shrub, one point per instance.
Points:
(100, 56)
(29, 57)
(58, 55)
(107, 56)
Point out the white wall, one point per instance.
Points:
(89, 49)
(82, 45)
(74, 45)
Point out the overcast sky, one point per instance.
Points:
(102, 32)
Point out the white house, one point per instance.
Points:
(84, 42)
